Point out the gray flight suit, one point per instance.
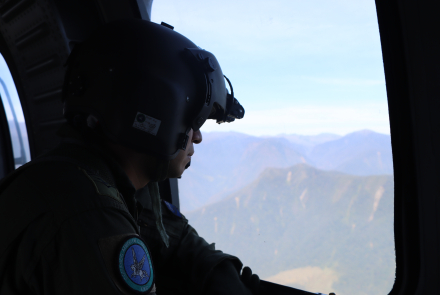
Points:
(62, 221)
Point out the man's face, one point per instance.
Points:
(178, 164)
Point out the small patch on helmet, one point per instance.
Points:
(173, 209)
(135, 266)
(146, 123)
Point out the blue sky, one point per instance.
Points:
(297, 66)
(301, 67)
(5, 75)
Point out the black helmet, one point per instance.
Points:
(146, 86)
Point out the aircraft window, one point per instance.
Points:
(301, 189)
(14, 115)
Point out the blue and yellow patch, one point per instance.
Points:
(135, 265)
(173, 209)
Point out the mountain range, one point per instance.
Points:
(227, 161)
(331, 225)
(287, 206)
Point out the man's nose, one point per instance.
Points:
(197, 137)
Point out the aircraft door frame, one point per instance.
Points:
(36, 37)
(410, 49)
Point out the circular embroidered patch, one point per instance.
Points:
(135, 265)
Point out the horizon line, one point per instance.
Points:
(299, 134)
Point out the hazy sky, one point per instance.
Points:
(5, 75)
(297, 66)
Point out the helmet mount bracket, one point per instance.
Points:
(227, 108)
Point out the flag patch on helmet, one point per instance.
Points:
(146, 123)
(135, 266)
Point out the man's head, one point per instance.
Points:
(146, 87)
(141, 167)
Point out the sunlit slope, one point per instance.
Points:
(302, 217)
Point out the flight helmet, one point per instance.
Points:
(146, 86)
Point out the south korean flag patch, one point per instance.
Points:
(135, 265)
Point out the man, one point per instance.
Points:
(87, 216)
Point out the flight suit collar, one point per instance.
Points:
(149, 198)
(92, 157)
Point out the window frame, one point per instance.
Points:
(409, 55)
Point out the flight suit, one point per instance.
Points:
(63, 221)
(185, 265)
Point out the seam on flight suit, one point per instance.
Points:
(30, 270)
(113, 202)
(44, 192)
(119, 204)
(117, 198)
(33, 276)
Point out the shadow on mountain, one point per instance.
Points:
(302, 217)
(225, 162)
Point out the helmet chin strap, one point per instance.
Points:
(159, 170)
(159, 167)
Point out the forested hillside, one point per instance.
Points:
(331, 227)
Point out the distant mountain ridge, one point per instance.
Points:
(309, 141)
(301, 217)
(360, 153)
(227, 161)
(224, 165)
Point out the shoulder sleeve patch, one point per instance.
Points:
(129, 262)
(173, 209)
(135, 265)
(102, 187)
